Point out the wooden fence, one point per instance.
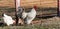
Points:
(30, 3)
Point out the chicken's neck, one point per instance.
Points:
(33, 10)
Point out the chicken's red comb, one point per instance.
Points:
(35, 7)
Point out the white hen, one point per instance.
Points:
(28, 17)
(7, 19)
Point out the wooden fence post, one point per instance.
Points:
(17, 4)
(58, 10)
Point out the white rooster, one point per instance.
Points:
(28, 17)
(7, 19)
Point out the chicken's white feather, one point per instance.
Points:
(28, 17)
(8, 19)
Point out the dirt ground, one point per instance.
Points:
(52, 20)
(50, 23)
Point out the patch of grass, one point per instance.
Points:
(23, 27)
(37, 18)
(10, 10)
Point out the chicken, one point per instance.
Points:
(7, 19)
(29, 16)
(19, 12)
